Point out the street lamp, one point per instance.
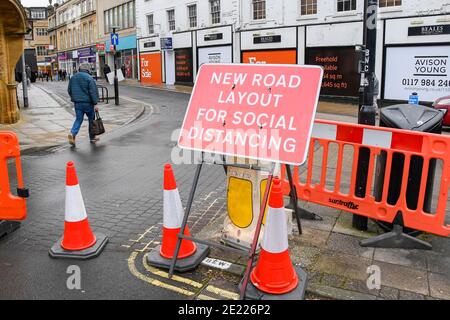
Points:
(116, 80)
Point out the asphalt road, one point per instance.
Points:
(121, 182)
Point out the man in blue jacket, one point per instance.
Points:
(84, 94)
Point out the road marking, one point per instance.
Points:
(203, 297)
(223, 293)
(137, 274)
(165, 275)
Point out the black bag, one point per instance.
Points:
(96, 127)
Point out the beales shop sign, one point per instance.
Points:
(257, 111)
(429, 30)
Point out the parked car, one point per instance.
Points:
(444, 103)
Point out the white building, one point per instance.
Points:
(413, 40)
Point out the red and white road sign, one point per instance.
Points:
(258, 111)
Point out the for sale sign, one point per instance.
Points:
(259, 111)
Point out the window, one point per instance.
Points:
(192, 15)
(85, 33)
(41, 51)
(308, 7)
(389, 3)
(70, 38)
(259, 9)
(122, 17)
(41, 31)
(91, 32)
(346, 5)
(215, 11)
(151, 26)
(40, 14)
(171, 19)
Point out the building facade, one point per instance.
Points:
(121, 15)
(413, 41)
(37, 42)
(73, 28)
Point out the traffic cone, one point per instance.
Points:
(190, 254)
(78, 240)
(274, 276)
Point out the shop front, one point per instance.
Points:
(274, 46)
(417, 58)
(333, 47)
(66, 61)
(340, 74)
(183, 58)
(150, 60)
(215, 45)
(126, 56)
(87, 55)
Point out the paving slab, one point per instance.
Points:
(403, 278)
(348, 244)
(403, 257)
(439, 286)
(345, 265)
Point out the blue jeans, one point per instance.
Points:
(82, 108)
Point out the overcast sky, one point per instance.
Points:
(35, 3)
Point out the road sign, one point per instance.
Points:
(115, 39)
(166, 43)
(259, 111)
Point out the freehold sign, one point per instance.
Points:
(258, 111)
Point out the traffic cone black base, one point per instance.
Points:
(252, 293)
(56, 251)
(155, 259)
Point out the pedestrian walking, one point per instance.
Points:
(106, 70)
(64, 74)
(83, 92)
(60, 75)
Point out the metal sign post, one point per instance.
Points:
(367, 111)
(115, 42)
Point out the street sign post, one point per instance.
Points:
(258, 111)
(115, 39)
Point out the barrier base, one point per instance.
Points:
(396, 239)
(6, 227)
(56, 251)
(182, 265)
(252, 293)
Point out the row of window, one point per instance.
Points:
(42, 50)
(120, 17)
(307, 7)
(75, 11)
(78, 36)
(41, 31)
(37, 14)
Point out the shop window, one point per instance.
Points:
(215, 11)
(151, 26)
(171, 19)
(346, 5)
(192, 14)
(259, 9)
(390, 3)
(308, 7)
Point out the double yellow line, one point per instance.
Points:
(225, 294)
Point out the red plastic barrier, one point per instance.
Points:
(387, 143)
(11, 207)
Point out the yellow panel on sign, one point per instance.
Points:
(261, 192)
(240, 204)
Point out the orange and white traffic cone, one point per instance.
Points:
(274, 276)
(190, 254)
(78, 240)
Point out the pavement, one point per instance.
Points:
(50, 115)
(121, 180)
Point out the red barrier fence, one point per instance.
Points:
(400, 175)
(11, 207)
